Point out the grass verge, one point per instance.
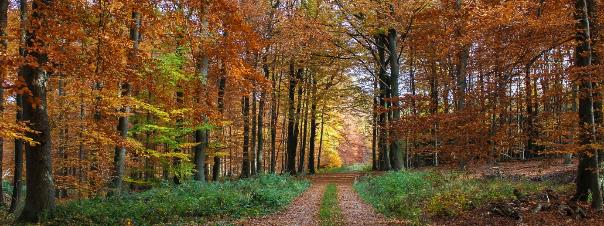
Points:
(190, 203)
(330, 213)
(417, 196)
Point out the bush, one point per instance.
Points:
(417, 195)
(189, 202)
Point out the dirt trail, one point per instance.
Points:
(304, 211)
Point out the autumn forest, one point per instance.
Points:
(301, 112)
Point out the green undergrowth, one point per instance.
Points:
(359, 167)
(417, 196)
(189, 203)
(330, 213)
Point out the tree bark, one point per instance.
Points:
(395, 143)
(260, 139)
(292, 140)
(40, 195)
(253, 136)
(321, 139)
(374, 124)
(301, 168)
(273, 126)
(588, 169)
(245, 167)
(221, 88)
(313, 126)
(384, 92)
(460, 67)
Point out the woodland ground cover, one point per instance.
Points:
(420, 196)
(191, 202)
(330, 213)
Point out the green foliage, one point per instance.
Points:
(417, 195)
(190, 202)
(330, 213)
(171, 65)
(7, 188)
(396, 194)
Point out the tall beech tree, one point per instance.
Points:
(588, 174)
(40, 194)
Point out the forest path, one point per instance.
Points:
(304, 211)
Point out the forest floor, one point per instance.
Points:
(545, 208)
(305, 209)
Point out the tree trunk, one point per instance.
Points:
(298, 115)
(588, 169)
(245, 167)
(40, 195)
(292, 140)
(321, 139)
(301, 168)
(434, 105)
(177, 161)
(120, 150)
(374, 124)
(395, 145)
(384, 92)
(313, 126)
(260, 139)
(460, 67)
(202, 136)
(221, 88)
(274, 117)
(253, 136)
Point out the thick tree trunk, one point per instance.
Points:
(120, 150)
(313, 126)
(40, 195)
(245, 167)
(292, 141)
(384, 93)
(202, 136)
(395, 143)
(301, 168)
(588, 169)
